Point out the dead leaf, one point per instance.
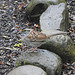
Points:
(1, 63)
(20, 6)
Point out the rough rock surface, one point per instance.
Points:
(27, 70)
(33, 3)
(49, 61)
(61, 45)
(55, 17)
(53, 32)
(36, 7)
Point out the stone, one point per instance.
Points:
(48, 61)
(36, 7)
(52, 32)
(54, 18)
(27, 70)
(61, 45)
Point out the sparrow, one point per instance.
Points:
(36, 39)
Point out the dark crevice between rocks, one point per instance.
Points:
(36, 12)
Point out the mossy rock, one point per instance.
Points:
(61, 45)
(36, 7)
(48, 61)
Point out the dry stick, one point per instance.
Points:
(57, 34)
(3, 36)
(7, 48)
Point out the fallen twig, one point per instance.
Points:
(6, 48)
(3, 36)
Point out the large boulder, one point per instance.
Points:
(27, 70)
(61, 45)
(36, 7)
(54, 18)
(47, 60)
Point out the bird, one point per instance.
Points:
(36, 39)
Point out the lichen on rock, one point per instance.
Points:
(36, 7)
(61, 45)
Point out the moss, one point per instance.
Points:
(32, 6)
(16, 64)
(58, 70)
(21, 63)
(33, 10)
(46, 3)
(50, 3)
(37, 64)
(65, 22)
(62, 1)
(66, 50)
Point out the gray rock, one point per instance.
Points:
(48, 61)
(54, 18)
(52, 32)
(36, 7)
(27, 70)
(61, 45)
